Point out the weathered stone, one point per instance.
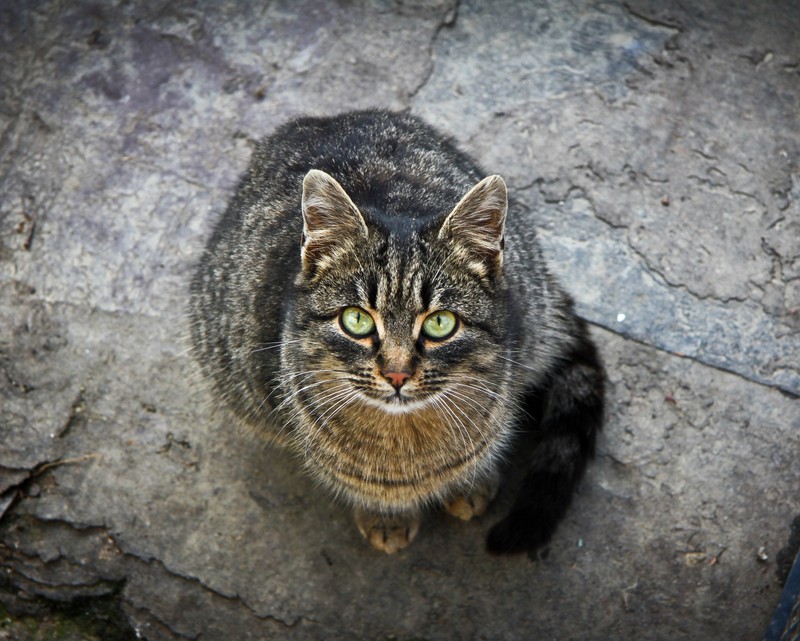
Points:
(656, 147)
(611, 114)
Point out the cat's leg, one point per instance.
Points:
(476, 501)
(387, 533)
(571, 417)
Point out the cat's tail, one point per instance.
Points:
(571, 417)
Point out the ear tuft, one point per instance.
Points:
(476, 226)
(332, 224)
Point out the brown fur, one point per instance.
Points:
(377, 211)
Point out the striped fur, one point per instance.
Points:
(378, 211)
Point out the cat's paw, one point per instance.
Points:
(467, 506)
(387, 533)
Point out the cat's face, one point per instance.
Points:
(398, 332)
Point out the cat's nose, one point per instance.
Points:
(397, 379)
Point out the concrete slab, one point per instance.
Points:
(656, 147)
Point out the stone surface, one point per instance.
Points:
(655, 146)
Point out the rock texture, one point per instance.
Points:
(657, 146)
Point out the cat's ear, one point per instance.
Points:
(477, 225)
(332, 224)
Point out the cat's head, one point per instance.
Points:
(401, 310)
(399, 318)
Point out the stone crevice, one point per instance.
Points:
(447, 21)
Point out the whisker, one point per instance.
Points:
(337, 401)
(288, 385)
(538, 370)
(462, 434)
(469, 445)
(267, 346)
(466, 398)
(503, 398)
(342, 400)
(479, 387)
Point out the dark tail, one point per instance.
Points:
(571, 410)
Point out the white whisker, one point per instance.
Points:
(267, 346)
(467, 442)
(538, 370)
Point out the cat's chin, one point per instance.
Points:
(396, 404)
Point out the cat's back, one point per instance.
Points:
(393, 165)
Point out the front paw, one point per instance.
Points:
(467, 506)
(387, 533)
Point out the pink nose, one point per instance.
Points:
(397, 379)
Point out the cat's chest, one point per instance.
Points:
(407, 427)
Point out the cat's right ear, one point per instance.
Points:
(332, 224)
(476, 227)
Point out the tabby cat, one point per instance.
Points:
(366, 301)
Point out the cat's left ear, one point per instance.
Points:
(332, 224)
(477, 226)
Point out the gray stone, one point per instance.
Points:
(683, 139)
(656, 148)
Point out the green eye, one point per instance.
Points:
(440, 325)
(356, 322)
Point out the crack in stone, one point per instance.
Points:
(232, 598)
(12, 493)
(448, 20)
(157, 620)
(166, 172)
(125, 555)
(651, 268)
(662, 278)
(77, 414)
(612, 329)
(7, 500)
(651, 21)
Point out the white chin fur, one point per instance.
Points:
(395, 405)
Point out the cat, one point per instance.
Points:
(371, 300)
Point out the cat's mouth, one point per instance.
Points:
(397, 398)
(395, 403)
